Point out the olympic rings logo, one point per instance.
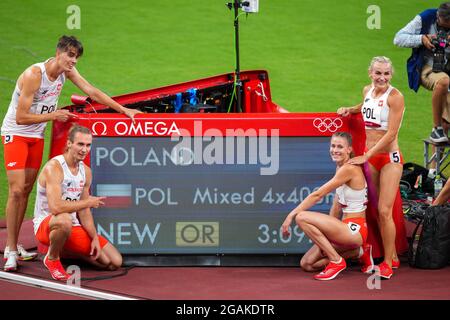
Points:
(327, 124)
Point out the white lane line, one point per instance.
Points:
(61, 287)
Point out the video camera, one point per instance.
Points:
(440, 43)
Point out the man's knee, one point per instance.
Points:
(17, 193)
(114, 258)
(442, 84)
(62, 222)
(115, 264)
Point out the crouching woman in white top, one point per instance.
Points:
(334, 239)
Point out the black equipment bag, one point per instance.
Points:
(430, 249)
(410, 173)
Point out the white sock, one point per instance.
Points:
(361, 252)
(337, 262)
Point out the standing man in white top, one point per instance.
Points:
(33, 104)
(62, 215)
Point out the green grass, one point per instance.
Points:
(316, 53)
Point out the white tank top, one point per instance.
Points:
(45, 100)
(352, 200)
(71, 189)
(375, 111)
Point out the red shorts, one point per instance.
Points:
(379, 160)
(357, 225)
(22, 152)
(78, 242)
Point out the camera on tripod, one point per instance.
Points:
(440, 43)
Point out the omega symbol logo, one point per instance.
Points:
(327, 124)
(99, 125)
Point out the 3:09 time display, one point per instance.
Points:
(270, 235)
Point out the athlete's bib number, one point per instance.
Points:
(395, 157)
(8, 138)
(354, 227)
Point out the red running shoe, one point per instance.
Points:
(331, 270)
(366, 259)
(395, 264)
(384, 271)
(56, 269)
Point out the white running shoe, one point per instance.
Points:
(11, 262)
(23, 254)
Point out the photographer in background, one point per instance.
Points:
(428, 35)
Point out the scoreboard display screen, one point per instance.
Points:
(189, 178)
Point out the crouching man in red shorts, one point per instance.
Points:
(62, 215)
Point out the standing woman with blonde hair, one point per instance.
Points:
(382, 111)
